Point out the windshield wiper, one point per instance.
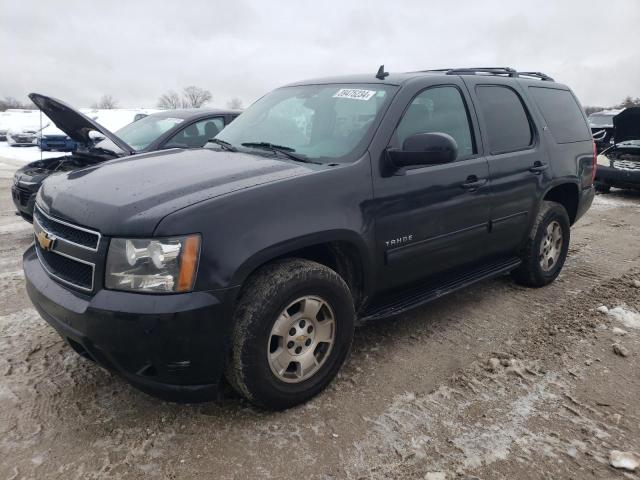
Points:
(225, 145)
(288, 151)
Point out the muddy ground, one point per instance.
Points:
(497, 381)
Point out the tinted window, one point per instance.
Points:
(439, 109)
(562, 114)
(506, 121)
(197, 134)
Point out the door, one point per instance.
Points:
(518, 164)
(432, 218)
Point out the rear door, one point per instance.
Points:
(518, 163)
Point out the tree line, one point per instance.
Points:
(190, 97)
(628, 102)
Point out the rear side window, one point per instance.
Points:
(507, 123)
(562, 114)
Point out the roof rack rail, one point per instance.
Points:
(498, 71)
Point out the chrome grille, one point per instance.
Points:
(625, 165)
(80, 236)
(66, 269)
(66, 251)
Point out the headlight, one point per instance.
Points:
(603, 160)
(153, 265)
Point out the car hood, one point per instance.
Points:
(627, 125)
(129, 196)
(74, 123)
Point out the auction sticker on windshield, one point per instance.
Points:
(354, 93)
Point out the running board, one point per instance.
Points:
(401, 301)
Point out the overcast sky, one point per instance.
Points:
(136, 50)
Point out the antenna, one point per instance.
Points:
(381, 75)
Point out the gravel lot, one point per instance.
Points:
(497, 381)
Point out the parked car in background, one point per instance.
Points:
(16, 119)
(619, 164)
(601, 124)
(188, 128)
(52, 138)
(23, 136)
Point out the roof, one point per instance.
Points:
(402, 77)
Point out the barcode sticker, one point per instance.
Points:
(354, 93)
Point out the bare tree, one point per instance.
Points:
(106, 102)
(629, 102)
(195, 97)
(192, 97)
(234, 104)
(170, 100)
(11, 102)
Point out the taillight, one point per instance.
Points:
(595, 162)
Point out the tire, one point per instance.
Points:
(531, 273)
(602, 187)
(256, 369)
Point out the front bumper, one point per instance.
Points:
(171, 346)
(616, 177)
(25, 201)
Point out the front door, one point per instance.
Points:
(432, 218)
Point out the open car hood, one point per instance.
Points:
(74, 123)
(627, 125)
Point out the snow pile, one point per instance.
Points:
(627, 317)
(624, 460)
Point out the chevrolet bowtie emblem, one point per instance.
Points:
(46, 242)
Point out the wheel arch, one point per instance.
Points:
(341, 250)
(567, 194)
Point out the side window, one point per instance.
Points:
(197, 134)
(506, 120)
(562, 114)
(438, 109)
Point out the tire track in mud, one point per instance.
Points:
(523, 413)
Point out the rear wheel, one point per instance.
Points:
(546, 248)
(292, 332)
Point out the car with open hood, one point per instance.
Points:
(188, 128)
(326, 202)
(619, 164)
(602, 128)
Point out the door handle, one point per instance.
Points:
(473, 182)
(538, 167)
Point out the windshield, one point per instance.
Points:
(601, 120)
(320, 122)
(141, 133)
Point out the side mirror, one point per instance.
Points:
(424, 149)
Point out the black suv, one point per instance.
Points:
(325, 203)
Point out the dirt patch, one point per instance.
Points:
(497, 381)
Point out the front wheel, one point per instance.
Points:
(546, 247)
(293, 329)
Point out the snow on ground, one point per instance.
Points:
(25, 154)
(617, 198)
(626, 316)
